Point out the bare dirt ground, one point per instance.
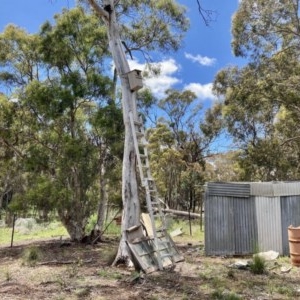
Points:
(83, 272)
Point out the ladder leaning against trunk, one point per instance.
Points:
(164, 248)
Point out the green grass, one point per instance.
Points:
(54, 229)
(45, 231)
(197, 234)
(219, 295)
(113, 229)
(109, 274)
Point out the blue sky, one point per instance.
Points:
(206, 49)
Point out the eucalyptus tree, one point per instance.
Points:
(263, 95)
(141, 26)
(179, 146)
(167, 163)
(57, 77)
(251, 114)
(19, 62)
(264, 28)
(12, 178)
(107, 134)
(224, 167)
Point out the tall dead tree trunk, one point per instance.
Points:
(131, 204)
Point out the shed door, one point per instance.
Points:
(245, 228)
(268, 212)
(219, 226)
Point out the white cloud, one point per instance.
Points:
(202, 60)
(166, 79)
(134, 64)
(202, 91)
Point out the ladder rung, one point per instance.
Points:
(151, 188)
(163, 247)
(167, 254)
(149, 179)
(142, 144)
(152, 192)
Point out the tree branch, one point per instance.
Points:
(207, 15)
(290, 140)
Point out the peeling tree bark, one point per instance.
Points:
(131, 204)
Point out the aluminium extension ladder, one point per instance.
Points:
(153, 202)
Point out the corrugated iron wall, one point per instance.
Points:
(244, 225)
(249, 217)
(262, 189)
(268, 218)
(290, 215)
(229, 189)
(219, 226)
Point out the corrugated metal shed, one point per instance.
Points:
(229, 189)
(270, 189)
(286, 189)
(268, 218)
(219, 226)
(242, 218)
(244, 227)
(262, 189)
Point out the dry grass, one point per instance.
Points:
(82, 272)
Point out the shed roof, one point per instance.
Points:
(246, 189)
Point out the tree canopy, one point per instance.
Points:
(58, 80)
(261, 102)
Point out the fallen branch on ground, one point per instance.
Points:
(65, 262)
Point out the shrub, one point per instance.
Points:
(31, 256)
(218, 295)
(258, 265)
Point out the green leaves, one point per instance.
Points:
(19, 59)
(48, 133)
(261, 100)
(75, 38)
(152, 25)
(178, 146)
(261, 28)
